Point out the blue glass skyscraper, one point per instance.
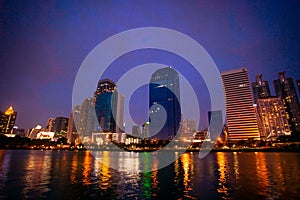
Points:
(109, 106)
(164, 95)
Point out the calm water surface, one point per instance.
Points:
(26, 174)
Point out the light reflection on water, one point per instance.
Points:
(79, 175)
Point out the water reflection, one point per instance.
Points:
(87, 168)
(105, 176)
(188, 171)
(236, 166)
(79, 175)
(223, 174)
(262, 172)
(4, 168)
(37, 174)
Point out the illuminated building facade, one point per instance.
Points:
(34, 132)
(50, 124)
(105, 85)
(188, 129)
(164, 94)
(241, 118)
(285, 88)
(7, 120)
(273, 116)
(60, 125)
(109, 105)
(145, 130)
(260, 88)
(87, 118)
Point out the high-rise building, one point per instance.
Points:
(260, 88)
(215, 124)
(7, 120)
(105, 85)
(109, 105)
(274, 119)
(74, 117)
(298, 85)
(60, 125)
(241, 118)
(164, 94)
(188, 129)
(136, 131)
(145, 130)
(285, 88)
(86, 123)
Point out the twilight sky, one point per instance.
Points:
(42, 45)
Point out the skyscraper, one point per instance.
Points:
(241, 118)
(285, 88)
(298, 85)
(164, 94)
(87, 118)
(7, 120)
(104, 85)
(109, 105)
(188, 129)
(215, 124)
(260, 88)
(74, 118)
(274, 119)
(60, 125)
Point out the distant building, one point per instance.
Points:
(7, 120)
(136, 131)
(164, 94)
(86, 123)
(60, 126)
(298, 85)
(145, 130)
(216, 124)
(50, 124)
(188, 129)
(260, 88)
(21, 132)
(45, 135)
(285, 88)
(34, 132)
(273, 116)
(74, 117)
(241, 117)
(109, 106)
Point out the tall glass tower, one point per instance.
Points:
(164, 104)
(109, 105)
(260, 88)
(285, 88)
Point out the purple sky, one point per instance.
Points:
(43, 45)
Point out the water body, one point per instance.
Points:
(26, 174)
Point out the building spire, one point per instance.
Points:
(10, 111)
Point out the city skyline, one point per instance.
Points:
(260, 90)
(41, 55)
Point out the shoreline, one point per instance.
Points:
(167, 150)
